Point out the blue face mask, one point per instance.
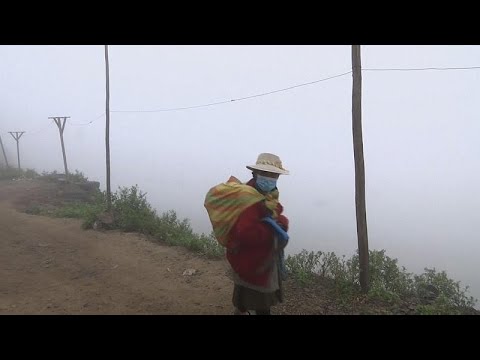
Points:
(266, 184)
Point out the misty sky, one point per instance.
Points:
(420, 131)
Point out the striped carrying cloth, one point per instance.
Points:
(225, 202)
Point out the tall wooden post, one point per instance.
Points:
(107, 129)
(359, 168)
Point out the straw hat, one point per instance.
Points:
(269, 162)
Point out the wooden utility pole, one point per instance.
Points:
(61, 126)
(359, 168)
(17, 136)
(107, 129)
(3, 150)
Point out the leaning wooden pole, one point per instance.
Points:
(17, 136)
(3, 150)
(61, 121)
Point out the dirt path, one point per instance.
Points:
(52, 266)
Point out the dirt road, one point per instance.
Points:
(53, 266)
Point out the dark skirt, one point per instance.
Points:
(249, 299)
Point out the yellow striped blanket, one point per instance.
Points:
(226, 201)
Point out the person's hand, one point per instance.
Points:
(282, 220)
(282, 245)
(279, 209)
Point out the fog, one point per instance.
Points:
(420, 133)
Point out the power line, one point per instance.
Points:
(422, 69)
(87, 123)
(29, 133)
(238, 99)
(39, 131)
(299, 85)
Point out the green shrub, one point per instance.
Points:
(387, 281)
(78, 177)
(132, 212)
